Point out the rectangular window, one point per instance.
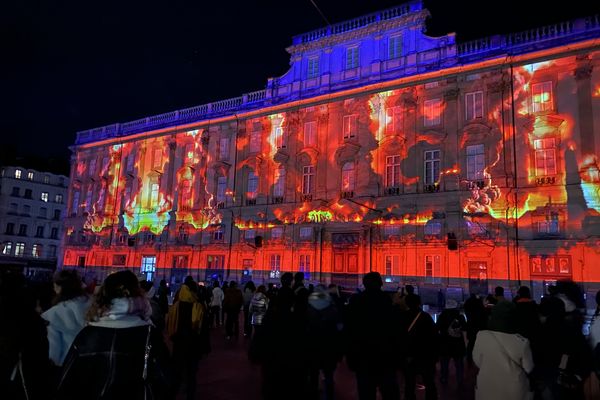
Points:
(43, 212)
(56, 215)
(433, 228)
(279, 137)
(15, 191)
(58, 198)
(130, 162)
(310, 133)
(218, 235)
(308, 175)
(157, 159)
(432, 268)
(44, 197)
(392, 171)
(92, 167)
(275, 263)
(75, 203)
(249, 234)
(18, 173)
(313, 67)
(550, 226)
(304, 265)
(51, 251)
(350, 126)
(348, 177)
(26, 210)
(180, 261)
(54, 233)
(20, 249)
(394, 47)
(475, 162)
(7, 249)
(148, 267)
(545, 157)
(473, 105)
(215, 262)
(224, 149)
(276, 233)
(28, 194)
(119, 260)
(10, 228)
(279, 184)
(255, 141)
(36, 250)
(221, 188)
(252, 185)
(46, 179)
(14, 208)
(392, 265)
(154, 188)
(541, 94)
(189, 153)
(39, 232)
(22, 230)
(432, 112)
(352, 57)
(391, 230)
(432, 167)
(306, 233)
(393, 120)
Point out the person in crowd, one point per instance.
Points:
(216, 303)
(421, 345)
(107, 358)
(271, 291)
(232, 305)
(67, 317)
(476, 321)
(323, 335)
(594, 337)
(452, 329)
(527, 318)
(300, 295)
(163, 296)
(258, 307)
(24, 364)
(503, 357)
(372, 335)
(248, 294)
(187, 326)
(499, 294)
(157, 317)
(336, 297)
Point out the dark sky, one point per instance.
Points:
(74, 65)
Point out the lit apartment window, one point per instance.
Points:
(7, 249)
(252, 185)
(304, 265)
(18, 173)
(279, 138)
(313, 67)
(392, 171)
(275, 263)
(394, 47)
(148, 267)
(475, 162)
(279, 184)
(255, 138)
(276, 233)
(310, 133)
(474, 105)
(308, 176)
(392, 265)
(91, 167)
(352, 57)
(432, 112)
(44, 197)
(350, 126)
(432, 268)
(541, 94)
(30, 176)
(432, 167)
(36, 250)
(393, 120)
(221, 188)
(156, 159)
(20, 249)
(224, 149)
(545, 157)
(348, 177)
(58, 198)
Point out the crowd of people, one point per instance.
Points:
(123, 340)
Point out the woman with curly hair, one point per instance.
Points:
(107, 358)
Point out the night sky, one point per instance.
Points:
(74, 65)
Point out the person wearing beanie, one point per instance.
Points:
(503, 357)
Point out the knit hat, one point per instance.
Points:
(502, 318)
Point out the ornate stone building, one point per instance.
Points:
(450, 165)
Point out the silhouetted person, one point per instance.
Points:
(476, 321)
(232, 305)
(373, 336)
(452, 327)
(499, 293)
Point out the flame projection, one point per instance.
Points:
(506, 163)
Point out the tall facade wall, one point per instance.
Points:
(476, 176)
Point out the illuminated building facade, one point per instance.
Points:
(450, 165)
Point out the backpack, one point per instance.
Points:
(454, 329)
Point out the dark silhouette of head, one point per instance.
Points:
(121, 284)
(372, 281)
(413, 302)
(524, 292)
(69, 285)
(215, 283)
(286, 279)
(499, 291)
(410, 289)
(298, 277)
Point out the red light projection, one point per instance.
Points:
(504, 161)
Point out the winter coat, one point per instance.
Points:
(233, 300)
(248, 296)
(451, 325)
(422, 342)
(258, 308)
(217, 297)
(65, 320)
(504, 361)
(323, 331)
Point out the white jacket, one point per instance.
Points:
(594, 336)
(217, 297)
(65, 320)
(504, 360)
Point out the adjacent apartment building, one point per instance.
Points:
(32, 209)
(454, 166)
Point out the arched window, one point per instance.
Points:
(348, 177)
